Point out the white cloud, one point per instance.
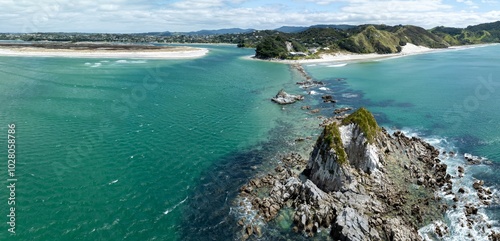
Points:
(187, 15)
(396, 6)
(323, 2)
(198, 4)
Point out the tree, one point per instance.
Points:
(271, 47)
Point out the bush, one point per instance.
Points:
(271, 47)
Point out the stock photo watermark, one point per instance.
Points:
(12, 178)
(78, 152)
(42, 16)
(484, 91)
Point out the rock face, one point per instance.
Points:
(324, 168)
(284, 98)
(360, 183)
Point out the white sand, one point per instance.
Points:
(168, 53)
(408, 49)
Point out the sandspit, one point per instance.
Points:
(100, 51)
(408, 49)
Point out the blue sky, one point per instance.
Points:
(128, 16)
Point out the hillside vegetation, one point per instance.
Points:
(380, 39)
(482, 33)
(299, 42)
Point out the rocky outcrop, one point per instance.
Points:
(359, 183)
(284, 98)
(341, 110)
(328, 99)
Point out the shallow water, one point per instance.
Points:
(157, 149)
(450, 98)
(113, 149)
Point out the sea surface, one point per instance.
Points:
(451, 98)
(126, 149)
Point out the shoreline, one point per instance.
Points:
(407, 50)
(442, 199)
(101, 51)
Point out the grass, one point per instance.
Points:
(335, 141)
(365, 120)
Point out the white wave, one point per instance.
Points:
(245, 211)
(104, 61)
(175, 206)
(349, 95)
(88, 63)
(123, 61)
(113, 182)
(336, 65)
(312, 65)
(324, 88)
(312, 92)
(95, 65)
(455, 219)
(106, 226)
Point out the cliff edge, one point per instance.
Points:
(359, 183)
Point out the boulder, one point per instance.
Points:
(284, 98)
(350, 225)
(341, 110)
(328, 99)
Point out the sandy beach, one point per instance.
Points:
(109, 51)
(408, 49)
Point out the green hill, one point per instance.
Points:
(477, 34)
(371, 40)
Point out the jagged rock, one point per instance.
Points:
(328, 99)
(341, 110)
(470, 210)
(359, 182)
(361, 154)
(473, 160)
(258, 231)
(478, 185)
(350, 225)
(397, 230)
(310, 83)
(494, 236)
(284, 98)
(249, 230)
(441, 229)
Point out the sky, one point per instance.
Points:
(137, 16)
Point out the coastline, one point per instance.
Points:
(407, 50)
(132, 53)
(282, 198)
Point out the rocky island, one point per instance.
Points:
(359, 183)
(284, 98)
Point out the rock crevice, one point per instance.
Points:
(383, 190)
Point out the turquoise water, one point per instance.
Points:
(450, 98)
(117, 149)
(452, 93)
(113, 149)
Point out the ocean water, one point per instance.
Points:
(119, 149)
(111, 149)
(451, 98)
